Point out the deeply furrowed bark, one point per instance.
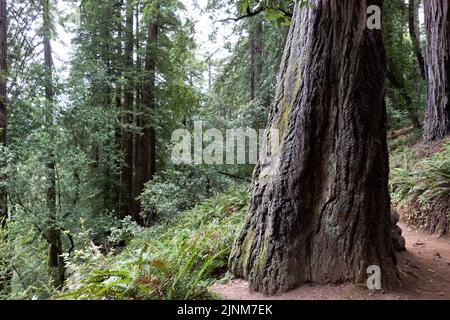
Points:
(320, 209)
(437, 115)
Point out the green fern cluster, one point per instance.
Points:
(176, 261)
(424, 185)
(425, 179)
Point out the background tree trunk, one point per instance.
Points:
(256, 51)
(127, 118)
(3, 70)
(137, 119)
(437, 114)
(146, 143)
(414, 34)
(55, 260)
(5, 279)
(119, 95)
(320, 209)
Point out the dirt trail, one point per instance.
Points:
(424, 268)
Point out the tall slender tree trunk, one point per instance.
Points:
(437, 114)
(146, 143)
(414, 34)
(55, 260)
(137, 109)
(256, 51)
(5, 279)
(419, 67)
(109, 49)
(127, 117)
(116, 189)
(320, 208)
(3, 70)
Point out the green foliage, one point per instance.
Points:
(124, 231)
(23, 268)
(232, 85)
(173, 191)
(421, 183)
(174, 261)
(425, 179)
(6, 252)
(275, 10)
(405, 103)
(188, 245)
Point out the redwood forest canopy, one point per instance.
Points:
(201, 149)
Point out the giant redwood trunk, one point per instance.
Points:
(320, 209)
(437, 115)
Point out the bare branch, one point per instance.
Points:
(247, 15)
(250, 13)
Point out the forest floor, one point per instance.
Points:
(424, 269)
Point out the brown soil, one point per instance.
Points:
(424, 269)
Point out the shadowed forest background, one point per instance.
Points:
(91, 206)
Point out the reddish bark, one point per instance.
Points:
(437, 114)
(320, 209)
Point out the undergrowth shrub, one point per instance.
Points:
(5, 262)
(403, 139)
(173, 191)
(23, 264)
(173, 261)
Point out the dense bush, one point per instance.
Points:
(5, 262)
(23, 264)
(174, 191)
